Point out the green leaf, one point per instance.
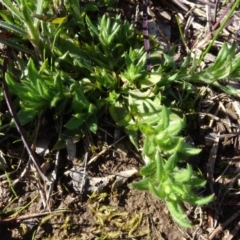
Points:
(11, 7)
(221, 57)
(54, 101)
(183, 175)
(60, 144)
(25, 116)
(150, 81)
(154, 191)
(58, 84)
(148, 169)
(80, 103)
(225, 54)
(38, 8)
(178, 190)
(44, 91)
(161, 136)
(176, 124)
(151, 119)
(92, 28)
(141, 185)
(120, 114)
(187, 149)
(160, 168)
(112, 97)
(75, 121)
(171, 163)
(13, 44)
(132, 131)
(197, 182)
(32, 72)
(136, 93)
(147, 107)
(92, 125)
(173, 196)
(33, 33)
(170, 144)
(148, 147)
(14, 28)
(13, 86)
(114, 31)
(164, 120)
(146, 129)
(165, 117)
(193, 199)
(177, 213)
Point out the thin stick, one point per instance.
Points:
(84, 176)
(222, 226)
(145, 34)
(105, 150)
(234, 232)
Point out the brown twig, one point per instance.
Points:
(103, 151)
(234, 231)
(224, 14)
(180, 4)
(222, 226)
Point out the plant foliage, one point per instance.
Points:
(81, 64)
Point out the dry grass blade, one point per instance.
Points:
(210, 170)
(27, 216)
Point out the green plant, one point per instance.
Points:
(163, 150)
(87, 66)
